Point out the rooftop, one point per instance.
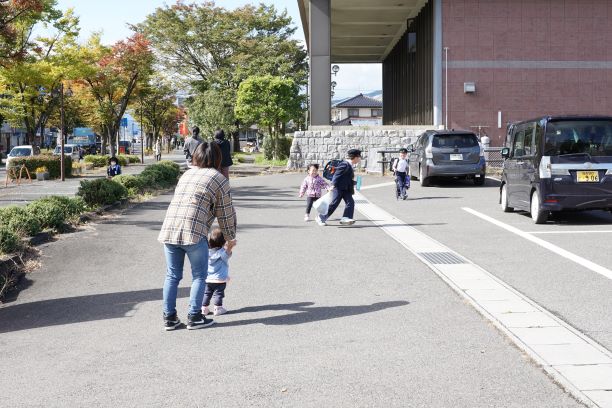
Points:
(360, 101)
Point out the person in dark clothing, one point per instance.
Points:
(114, 168)
(226, 152)
(191, 144)
(343, 188)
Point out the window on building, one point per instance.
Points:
(376, 113)
(353, 112)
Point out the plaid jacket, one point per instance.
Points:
(201, 195)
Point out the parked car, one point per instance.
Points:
(557, 163)
(71, 150)
(447, 153)
(22, 151)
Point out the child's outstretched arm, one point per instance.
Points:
(303, 187)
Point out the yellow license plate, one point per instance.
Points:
(587, 176)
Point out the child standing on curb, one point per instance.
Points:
(312, 186)
(219, 254)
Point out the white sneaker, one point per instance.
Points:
(219, 310)
(205, 311)
(320, 221)
(346, 221)
(306, 218)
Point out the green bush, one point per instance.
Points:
(9, 241)
(19, 220)
(134, 184)
(52, 163)
(48, 213)
(129, 158)
(101, 191)
(70, 207)
(165, 173)
(96, 160)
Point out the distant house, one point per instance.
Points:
(360, 110)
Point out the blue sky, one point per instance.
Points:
(112, 16)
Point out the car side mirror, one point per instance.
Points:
(505, 152)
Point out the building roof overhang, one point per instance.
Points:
(365, 31)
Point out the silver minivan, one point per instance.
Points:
(557, 163)
(447, 153)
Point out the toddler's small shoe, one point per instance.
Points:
(205, 311)
(219, 310)
(306, 218)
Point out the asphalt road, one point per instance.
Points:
(320, 316)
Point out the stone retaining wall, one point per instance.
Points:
(321, 145)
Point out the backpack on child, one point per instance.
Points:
(392, 163)
(330, 169)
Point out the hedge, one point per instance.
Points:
(101, 191)
(19, 220)
(134, 184)
(130, 158)
(52, 163)
(9, 241)
(102, 161)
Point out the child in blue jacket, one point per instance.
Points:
(219, 253)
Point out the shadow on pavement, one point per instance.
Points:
(77, 309)
(307, 314)
(579, 218)
(450, 183)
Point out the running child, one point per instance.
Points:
(312, 186)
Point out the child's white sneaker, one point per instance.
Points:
(306, 218)
(205, 311)
(219, 310)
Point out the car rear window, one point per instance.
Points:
(593, 137)
(455, 141)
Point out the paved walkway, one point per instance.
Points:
(311, 324)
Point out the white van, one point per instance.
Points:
(21, 152)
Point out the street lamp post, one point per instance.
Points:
(62, 131)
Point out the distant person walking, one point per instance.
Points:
(226, 151)
(201, 195)
(343, 187)
(158, 150)
(191, 144)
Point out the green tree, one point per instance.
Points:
(155, 105)
(212, 50)
(270, 102)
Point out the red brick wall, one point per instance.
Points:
(526, 30)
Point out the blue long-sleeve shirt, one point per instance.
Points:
(218, 265)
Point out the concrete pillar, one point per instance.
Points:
(437, 63)
(320, 62)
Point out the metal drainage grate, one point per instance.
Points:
(448, 258)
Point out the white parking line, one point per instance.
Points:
(570, 232)
(390, 183)
(545, 244)
(578, 363)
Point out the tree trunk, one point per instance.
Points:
(236, 137)
(111, 142)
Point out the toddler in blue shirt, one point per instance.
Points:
(219, 253)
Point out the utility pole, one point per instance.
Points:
(141, 132)
(62, 175)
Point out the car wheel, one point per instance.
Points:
(479, 181)
(424, 180)
(503, 199)
(537, 214)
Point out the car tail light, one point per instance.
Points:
(545, 167)
(482, 152)
(609, 172)
(428, 153)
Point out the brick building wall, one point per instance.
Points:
(527, 58)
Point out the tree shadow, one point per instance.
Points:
(305, 313)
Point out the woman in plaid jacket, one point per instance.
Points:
(202, 194)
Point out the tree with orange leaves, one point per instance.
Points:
(113, 74)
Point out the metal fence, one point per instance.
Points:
(493, 157)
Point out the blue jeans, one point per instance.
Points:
(175, 259)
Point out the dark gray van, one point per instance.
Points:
(447, 153)
(557, 163)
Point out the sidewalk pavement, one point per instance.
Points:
(22, 194)
(319, 316)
